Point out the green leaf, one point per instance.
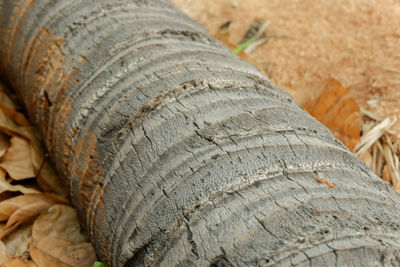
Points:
(244, 45)
(98, 264)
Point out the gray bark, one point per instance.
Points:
(178, 153)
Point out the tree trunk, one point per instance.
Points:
(179, 153)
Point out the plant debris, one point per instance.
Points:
(223, 30)
(337, 110)
(255, 36)
(38, 227)
(255, 30)
(377, 148)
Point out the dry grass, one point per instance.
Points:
(377, 149)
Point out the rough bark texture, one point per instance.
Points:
(178, 153)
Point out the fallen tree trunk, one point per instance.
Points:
(179, 153)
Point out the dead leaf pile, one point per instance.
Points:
(38, 227)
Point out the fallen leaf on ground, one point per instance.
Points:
(12, 113)
(11, 128)
(4, 143)
(59, 221)
(23, 247)
(15, 123)
(57, 199)
(9, 206)
(58, 238)
(7, 186)
(23, 215)
(3, 253)
(14, 240)
(19, 263)
(334, 108)
(57, 252)
(5, 99)
(49, 181)
(7, 194)
(17, 160)
(37, 156)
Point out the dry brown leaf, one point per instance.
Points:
(19, 263)
(57, 199)
(12, 121)
(3, 253)
(17, 125)
(37, 156)
(49, 181)
(14, 240)
(57, 252)
(18, 117)
(43, 259)
(10, 108)
(5, 99)
(4, 143)
(11, 128)
(7, 194)
(23, 215)
(59, 221)
(9, 206)
(17, 161)
(7, 186)
(23, 247)
(14, 115)
(338, 111)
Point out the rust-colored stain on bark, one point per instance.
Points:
(51, 79)
(44, 66)
(61, 144)
(85, 165)
(38, 62)
(325, 182)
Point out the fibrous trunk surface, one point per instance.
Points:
(179, 153)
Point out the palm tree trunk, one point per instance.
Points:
(179, 153)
